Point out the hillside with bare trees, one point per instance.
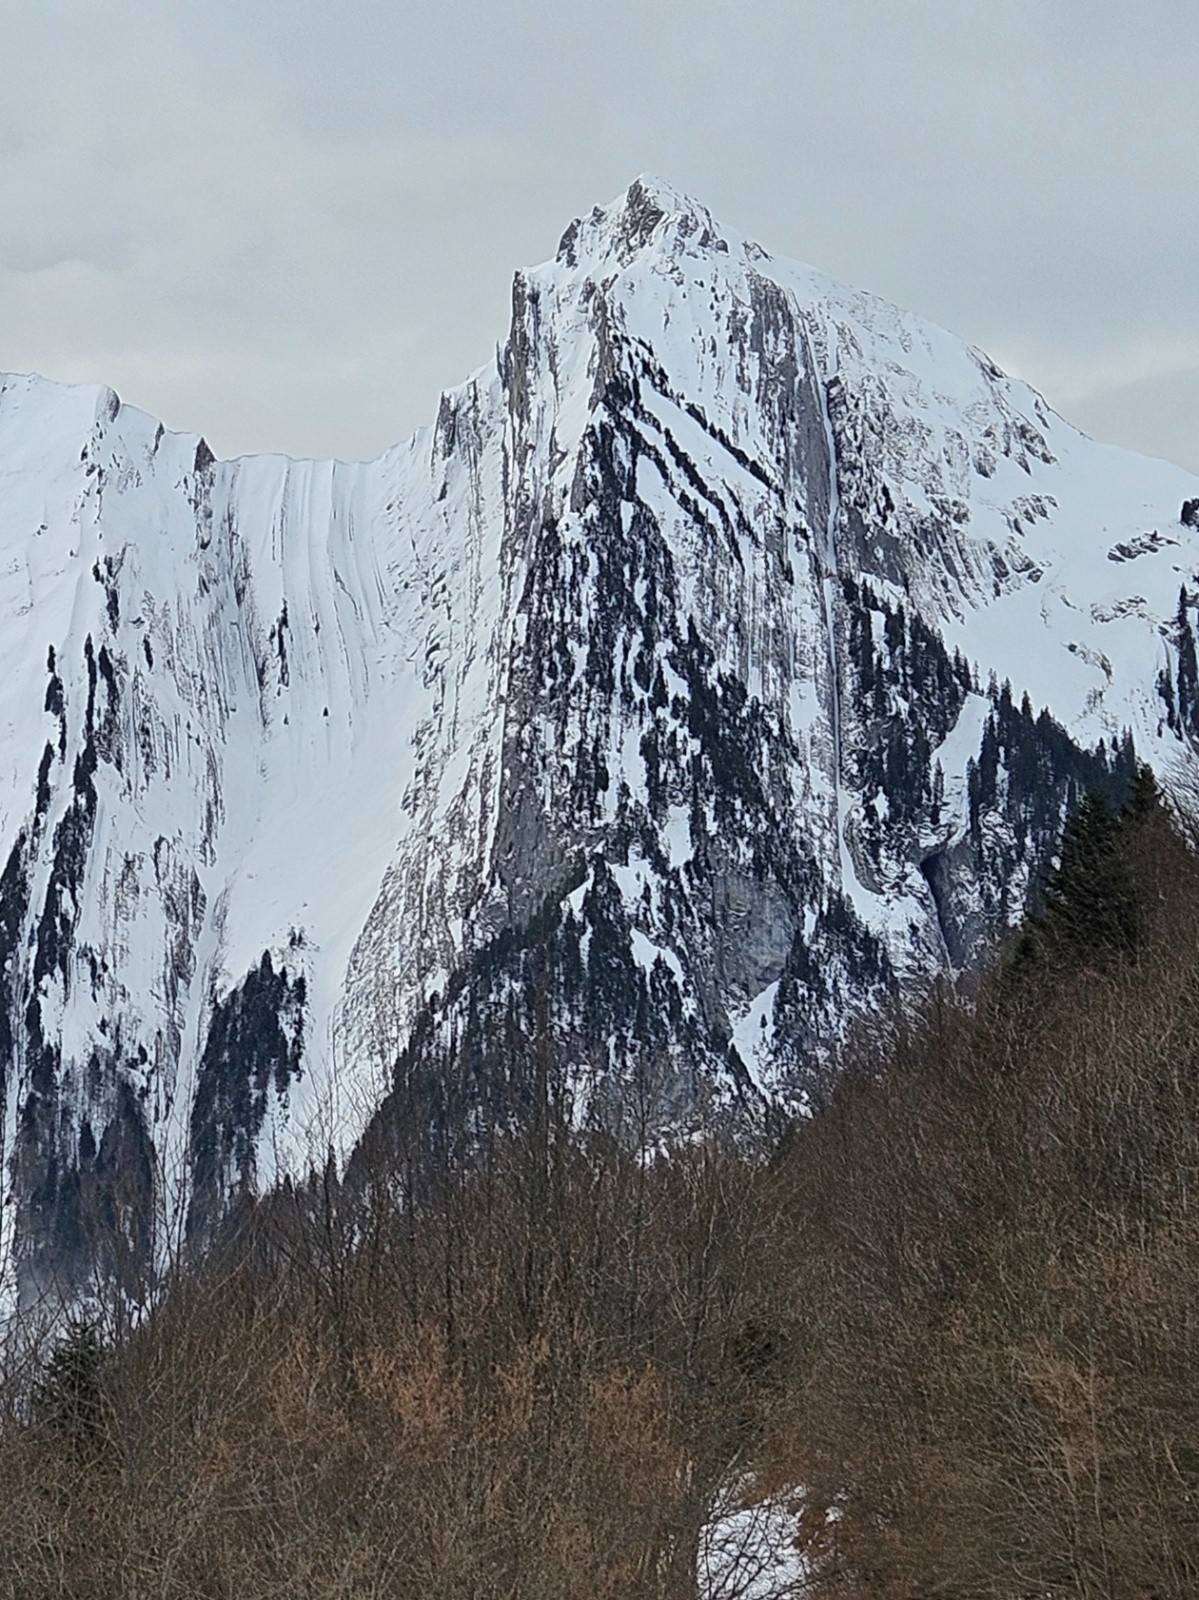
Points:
(945, 1329)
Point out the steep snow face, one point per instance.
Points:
(656, 691)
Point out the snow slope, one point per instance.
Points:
(677, 644)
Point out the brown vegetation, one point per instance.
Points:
(496, 1398)
(993, 1393)
(960, 1308)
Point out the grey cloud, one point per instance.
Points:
(289, 227)
(1158, 416)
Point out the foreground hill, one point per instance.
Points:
(939, 1340)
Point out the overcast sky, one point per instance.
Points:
(289, 225)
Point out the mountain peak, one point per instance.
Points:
(637, 704)
(650, 211)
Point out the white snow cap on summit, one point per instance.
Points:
(651, 214)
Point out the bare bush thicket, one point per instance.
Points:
(529, 1381)
(951, 1322)
(992, 1393)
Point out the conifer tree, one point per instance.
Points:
(1090, 911)
(1188, 666)
(69, 1397)
(1144, 796)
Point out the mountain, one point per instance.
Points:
(727, 653)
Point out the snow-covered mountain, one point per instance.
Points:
(726, 651)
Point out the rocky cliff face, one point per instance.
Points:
(726, 653)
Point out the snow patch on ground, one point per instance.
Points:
(748, 1553)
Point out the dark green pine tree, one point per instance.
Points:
(1144, 796)
(69, 1396)
(1188, 667)
(1089, 911)
(1090, 914)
